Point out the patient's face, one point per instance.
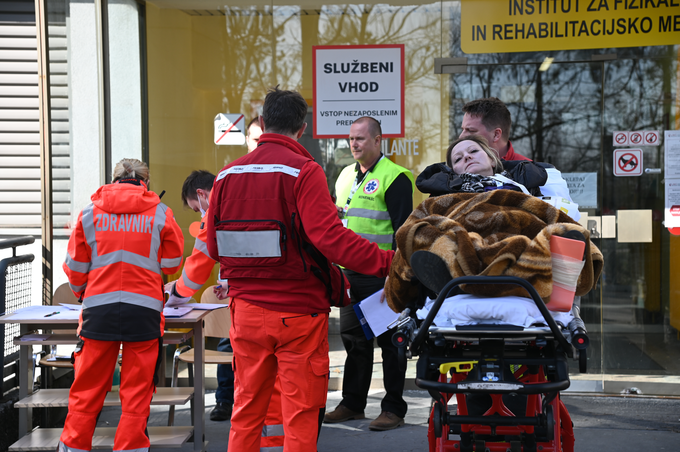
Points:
(469, 157)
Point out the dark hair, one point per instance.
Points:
(197, 179)
(494, 114)
(284, 112)
(373, 125)
(481, 141)
(256, 121)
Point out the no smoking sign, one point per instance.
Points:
(628, 162)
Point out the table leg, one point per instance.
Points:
(199, 388)
(25, 383)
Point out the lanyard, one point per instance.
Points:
(355, 186)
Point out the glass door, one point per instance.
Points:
(638, 334)
(567, 115)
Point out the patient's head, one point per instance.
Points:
(473, 155)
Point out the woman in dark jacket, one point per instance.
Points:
(473, 167)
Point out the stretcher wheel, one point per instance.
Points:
(550, 422)
(438, 420)
(582, 361)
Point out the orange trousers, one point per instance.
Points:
(272, 432)
(94, 366)
(291, 345)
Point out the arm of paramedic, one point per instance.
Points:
(78, 259)
(326, 232)
(399, 200)
(172, 245)
(198, 266)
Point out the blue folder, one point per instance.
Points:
(362, 320)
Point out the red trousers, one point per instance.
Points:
(272, 432)
(291, 345)
(94, 367)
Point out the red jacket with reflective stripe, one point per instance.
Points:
(120, 245)
(280, 188)
(198, 266)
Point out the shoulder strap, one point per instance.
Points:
(322, 270)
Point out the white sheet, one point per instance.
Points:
(43, 312)
(471, 309)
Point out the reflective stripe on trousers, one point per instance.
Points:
(272, 432)
(93, 369)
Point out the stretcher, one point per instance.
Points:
(506, 378)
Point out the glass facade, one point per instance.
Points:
(170, 68)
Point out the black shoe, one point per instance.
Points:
(431, 270)
(221, 412)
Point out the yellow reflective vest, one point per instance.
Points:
(367, 214)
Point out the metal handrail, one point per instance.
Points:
(16, 241)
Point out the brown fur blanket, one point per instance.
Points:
(501, 232)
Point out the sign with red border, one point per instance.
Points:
(351, 81)
(651, 137)
(230, 129)
(635, 138)
(620, 138)
(628, 162)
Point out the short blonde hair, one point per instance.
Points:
(131, 169)
(481, 141)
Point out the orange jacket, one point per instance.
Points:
(121, 244)
(198, 266)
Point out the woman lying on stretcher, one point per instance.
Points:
(473, 167)
(480, 230)
(477, 229)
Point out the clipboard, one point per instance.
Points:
(375, 316)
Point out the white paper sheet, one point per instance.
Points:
(44, 312)
(206, 306)
(34, 337)
(378, 315)
(177, 311)
(60, 358)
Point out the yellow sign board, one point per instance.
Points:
(490, 26)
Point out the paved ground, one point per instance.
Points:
(602, 423)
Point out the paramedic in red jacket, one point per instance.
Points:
(118, 249)
(274, 229)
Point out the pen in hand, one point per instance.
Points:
(51, 314)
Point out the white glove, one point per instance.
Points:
(174, 300)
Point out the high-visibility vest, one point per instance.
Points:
(367, 214)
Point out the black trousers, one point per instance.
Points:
(359, 361)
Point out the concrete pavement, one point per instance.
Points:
(602, 423)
